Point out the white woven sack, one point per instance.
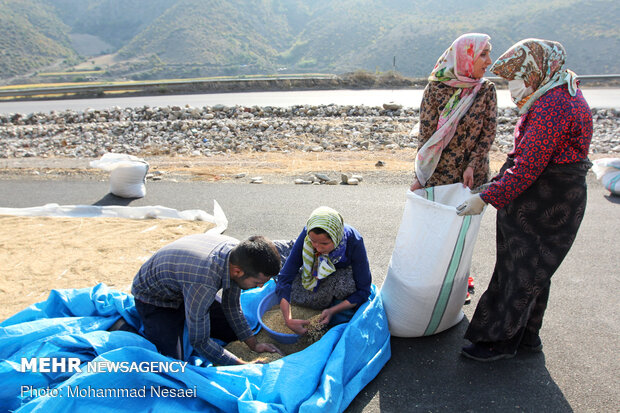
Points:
(426, 284)
(127, 174)
(607, 170)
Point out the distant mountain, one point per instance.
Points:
(115, 22)
(219, 35)
(149, 39)
(31, 36)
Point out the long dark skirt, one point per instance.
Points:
(337, 286)
(534, 234)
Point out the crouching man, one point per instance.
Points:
(178, 286)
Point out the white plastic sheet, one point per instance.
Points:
(607, 171)
(426, 284)
(116, 211)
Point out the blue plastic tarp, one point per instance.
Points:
(72, 324)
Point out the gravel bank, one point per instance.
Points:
(187, 136)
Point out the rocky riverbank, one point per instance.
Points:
(221, 131)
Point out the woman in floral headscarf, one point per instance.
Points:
(457, 117)
(540, 196)
(327, 269)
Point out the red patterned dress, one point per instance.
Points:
(540, 195)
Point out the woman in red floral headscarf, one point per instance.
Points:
(540, 196)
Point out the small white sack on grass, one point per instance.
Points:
(607, 171)
(127, 174)
(426, 284)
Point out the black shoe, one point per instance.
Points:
(122, 325)
(480, 352)
(533, 345)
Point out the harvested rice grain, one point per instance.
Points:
(316, 329)
(274, 320)
(242, 351)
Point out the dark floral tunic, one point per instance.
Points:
(472, 140)
(557, 129)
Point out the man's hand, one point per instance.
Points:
(257, 347)
(267, 348)
(468, 177)
(298, 326)
(473, 206)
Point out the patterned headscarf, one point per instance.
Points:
(539, 64)
(318, 266)
(455, 68)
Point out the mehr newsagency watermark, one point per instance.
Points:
(74, 365)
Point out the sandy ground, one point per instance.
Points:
(38, 254)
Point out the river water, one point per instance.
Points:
(597, 98)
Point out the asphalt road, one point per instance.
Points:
(579, 369)
(597, 98)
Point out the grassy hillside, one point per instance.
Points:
(216, 33)
(152, 39)
(113, 21)
(31, 36)
(417, 34)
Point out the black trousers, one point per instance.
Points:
(534, 234)
(163, 326)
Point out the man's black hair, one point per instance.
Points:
(256, 254)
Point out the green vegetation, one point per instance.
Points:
(158, 39)
(31, 36)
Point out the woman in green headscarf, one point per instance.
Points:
(327, 269)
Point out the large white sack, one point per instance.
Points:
(607, 170)
(426, 284)
(127, 174)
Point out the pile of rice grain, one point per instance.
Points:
(242, 351)
(316, 330)
(273, 319)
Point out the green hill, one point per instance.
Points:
(152, 39)
(222, 36)
(31, 37)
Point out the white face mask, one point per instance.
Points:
(518, 90)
